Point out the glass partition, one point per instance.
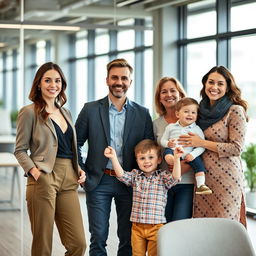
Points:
(65, 32)
(11, 193)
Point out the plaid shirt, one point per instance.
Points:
(149, 195)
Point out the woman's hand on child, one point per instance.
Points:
(190, 140)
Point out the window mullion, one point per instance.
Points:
(223, 26)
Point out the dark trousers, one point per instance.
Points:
(99, 206)
(179, 202)
(197, 164)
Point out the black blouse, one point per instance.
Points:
(64, 141)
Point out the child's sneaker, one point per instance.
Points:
(203, 190)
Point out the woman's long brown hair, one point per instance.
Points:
(35, 94)
(233, 91)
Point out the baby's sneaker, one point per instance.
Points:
(203, 190)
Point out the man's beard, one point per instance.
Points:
(118, 94)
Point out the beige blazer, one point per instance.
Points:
(40, 139)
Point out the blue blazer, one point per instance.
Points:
(92, 126)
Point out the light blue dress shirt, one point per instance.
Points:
(116, 122)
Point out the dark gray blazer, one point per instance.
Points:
(92, 126)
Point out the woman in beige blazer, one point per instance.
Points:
(46, 149)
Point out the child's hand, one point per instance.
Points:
(189, 158)
(172, 143)
(178, 152)
(109, 152)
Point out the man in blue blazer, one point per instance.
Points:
(118, 122)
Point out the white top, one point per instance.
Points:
(173, 131)
(159, 125)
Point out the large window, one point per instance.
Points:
(83, 57)
(125, 38)
(1, 79)
(81, 82)
(243, 63)
(200, 58)
(101, 89)
(243, 15)
(101, 41)
(81, 67)
(148, 78)
(40, 52)
(201, 19)
(9, 77)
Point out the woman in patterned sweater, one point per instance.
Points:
(222, 117)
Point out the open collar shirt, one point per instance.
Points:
(117, 122)
(149, 195)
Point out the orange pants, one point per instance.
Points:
(144, 239)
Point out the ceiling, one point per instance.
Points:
(82, 13)
(75, 11)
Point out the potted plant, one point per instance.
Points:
(14, 115)
(249, 156)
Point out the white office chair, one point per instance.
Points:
(204, 237)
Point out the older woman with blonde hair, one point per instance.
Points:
(180, 197)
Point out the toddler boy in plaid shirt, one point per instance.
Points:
(150, 186)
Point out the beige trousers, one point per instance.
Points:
(144, 239)
(53, 197)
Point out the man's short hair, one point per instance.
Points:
(119, 63)
(147, 145)
(185, 102)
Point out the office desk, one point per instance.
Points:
(7, 139)
(8, 160)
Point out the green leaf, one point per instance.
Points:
(249, 156)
